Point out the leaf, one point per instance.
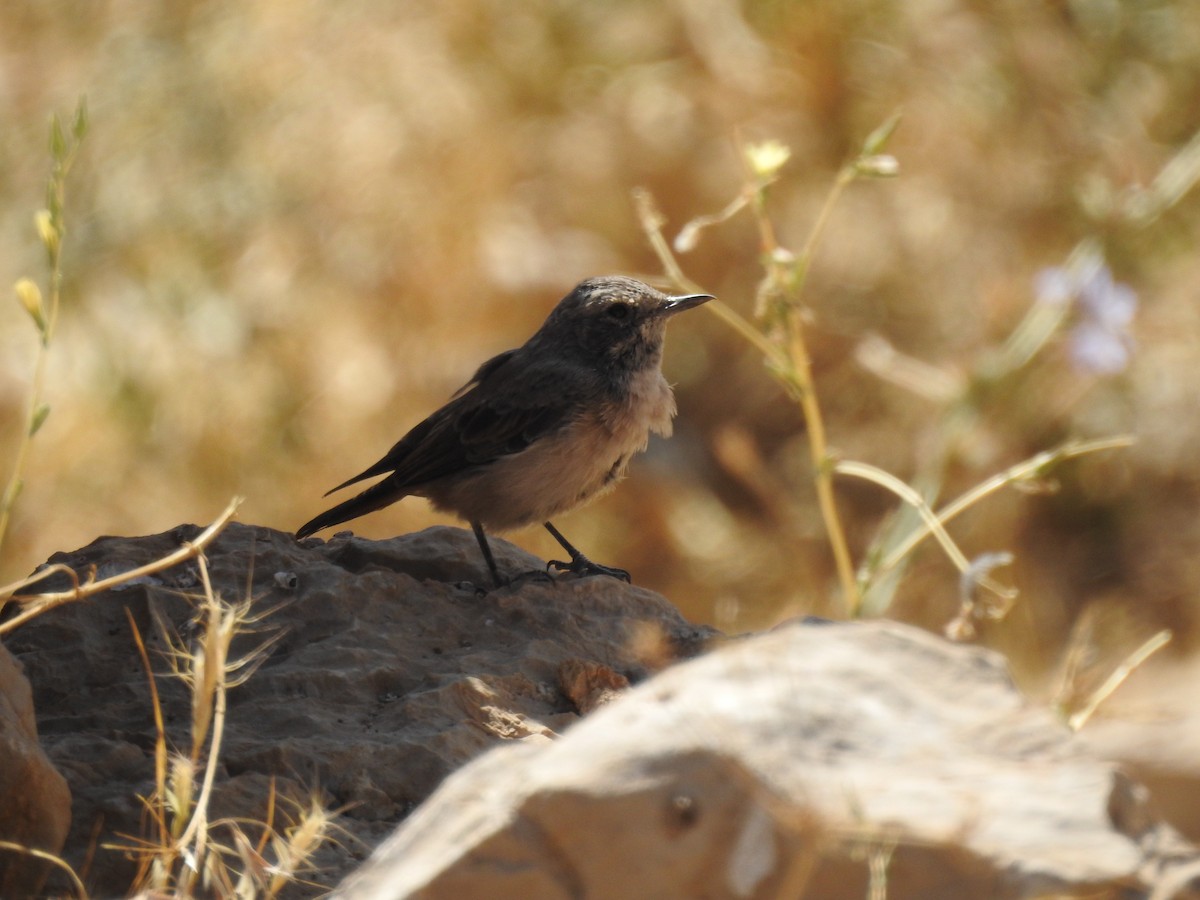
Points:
(79, 129)
(878, 138)
(29, 295)
(46, 230)
(39, 418)
(58, 141)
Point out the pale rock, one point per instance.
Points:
(779, 766)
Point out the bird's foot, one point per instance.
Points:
(582, 566)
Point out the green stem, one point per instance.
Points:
(56, 195)
(800, 368)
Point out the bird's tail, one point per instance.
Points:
(375, 497)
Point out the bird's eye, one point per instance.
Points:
(619, 311)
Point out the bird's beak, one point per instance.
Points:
(687, 301)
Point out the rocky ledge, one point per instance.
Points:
(811, 761)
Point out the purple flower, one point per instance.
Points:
(1099, 341)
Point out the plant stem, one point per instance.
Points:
(800, 369)
(52, 230)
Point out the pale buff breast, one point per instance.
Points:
(564, 470)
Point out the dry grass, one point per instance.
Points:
(182, 851)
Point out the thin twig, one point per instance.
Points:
(819, 452)
(197, 829)
(160, 742)
(1117, 678)
(80, 890)
(651, 222)
(1022, 471)
(39, 603)
(933, 523)
(844, 176)
(52, 230)
(791, 366)
(8, 591)
(800, 368)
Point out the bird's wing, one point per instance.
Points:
(500, 427)
(486, 371)
(501, 411)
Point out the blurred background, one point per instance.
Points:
(296, 228)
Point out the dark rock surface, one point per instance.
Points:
(389, 672)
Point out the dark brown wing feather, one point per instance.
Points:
(494, 415)
(501, 411)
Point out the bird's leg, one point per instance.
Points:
(580, 564)
(487, 553)
(497, 579)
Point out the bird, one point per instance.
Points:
(540, 429)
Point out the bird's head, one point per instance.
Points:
(615, 321)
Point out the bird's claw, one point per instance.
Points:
(583, 567)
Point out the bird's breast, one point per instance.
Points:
(645, 405)
(562, 470)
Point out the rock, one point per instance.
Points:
(792, 764)
(35, 805)
(1152, 725)
(787, 764)
(389, 671)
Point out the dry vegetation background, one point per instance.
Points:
(297, 227)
